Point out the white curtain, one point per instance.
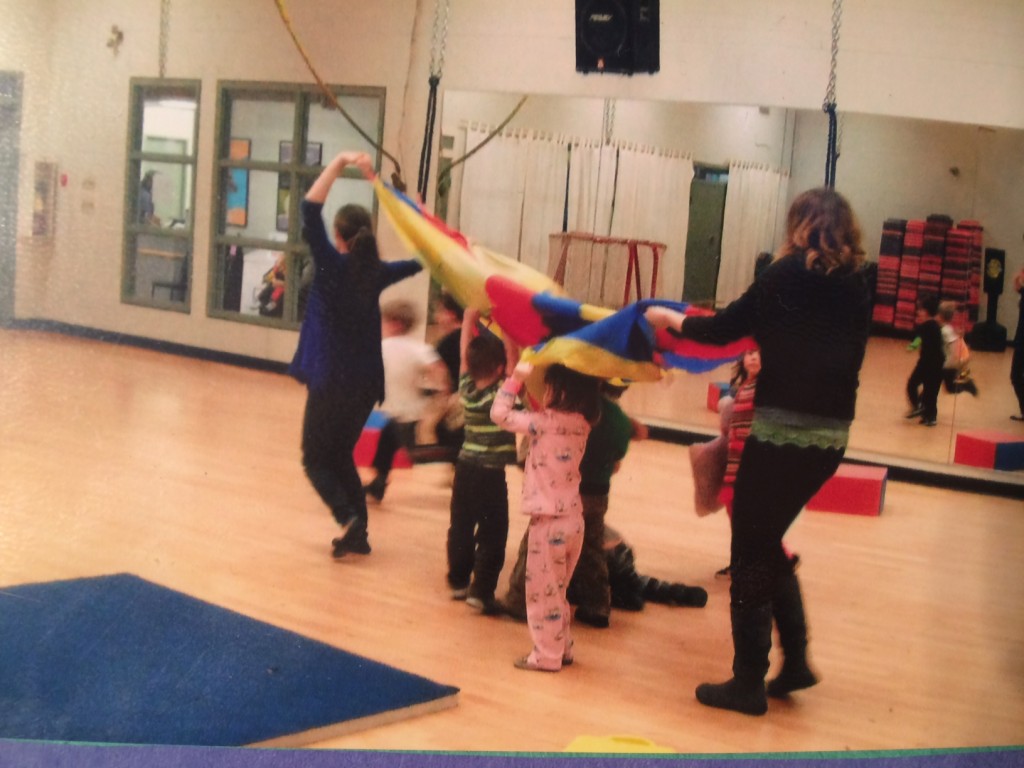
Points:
(652, 202)
(752, 202)
(546, 166)
(517, 188)
(491, 210)
(591, 187)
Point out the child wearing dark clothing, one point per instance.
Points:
(478, 528)
(926, 378)
(630, 589)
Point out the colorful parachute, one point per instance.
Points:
(534, 311)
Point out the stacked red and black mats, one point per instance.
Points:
(890, 253)
(910, 274)
(956, 267)
(933, 254)
(974, 269)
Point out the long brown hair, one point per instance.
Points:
(821, 225)
(574, 392)
(354, 225)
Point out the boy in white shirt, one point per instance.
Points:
(413, 374)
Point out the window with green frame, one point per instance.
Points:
(160, 193)
(272, 143)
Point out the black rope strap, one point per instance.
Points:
(422, 183)
(831, 153)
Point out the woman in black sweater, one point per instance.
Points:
(809, 312)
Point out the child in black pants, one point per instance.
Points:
(926, 378)
(478, 528)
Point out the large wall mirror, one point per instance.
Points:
(889, 168)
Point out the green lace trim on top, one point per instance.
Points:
(781, 427)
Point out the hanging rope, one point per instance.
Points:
(444, 178)
(165, 27)
(829, 107)
(437, 51)
(396, 177)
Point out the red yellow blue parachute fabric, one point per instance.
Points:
(534, 311)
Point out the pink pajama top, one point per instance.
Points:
(557, 440)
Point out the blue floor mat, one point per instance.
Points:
(117, 659)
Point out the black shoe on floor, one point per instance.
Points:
(375, 489)
(343, 546)
(487, 606)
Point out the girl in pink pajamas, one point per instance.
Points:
(557, 436)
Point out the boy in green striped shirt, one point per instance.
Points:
(478, 527)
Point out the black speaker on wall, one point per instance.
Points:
(619, 36)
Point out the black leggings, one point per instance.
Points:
(923, 390)
(773, 484)
(331, 428)
(478, 528)
(1017, 368)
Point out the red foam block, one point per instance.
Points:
(716, 391)
(854, 489)
(989, 448)
(366, 447)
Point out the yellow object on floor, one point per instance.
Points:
(615, 744)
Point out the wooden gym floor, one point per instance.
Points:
(187, 473)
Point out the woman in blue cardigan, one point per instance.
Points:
(339, 353)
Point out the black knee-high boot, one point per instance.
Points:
(752, 641)
(788, 610)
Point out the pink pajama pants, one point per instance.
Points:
(554, 545)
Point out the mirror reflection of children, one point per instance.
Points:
(956, 367)
(926, 379)
(551, 497)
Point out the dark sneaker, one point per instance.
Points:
(929, 422)
(487, 606)
(914, 413)
(375, 489)
(344, 546)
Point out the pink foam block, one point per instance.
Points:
(989, 448)
(716, 391)
(854, 489)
